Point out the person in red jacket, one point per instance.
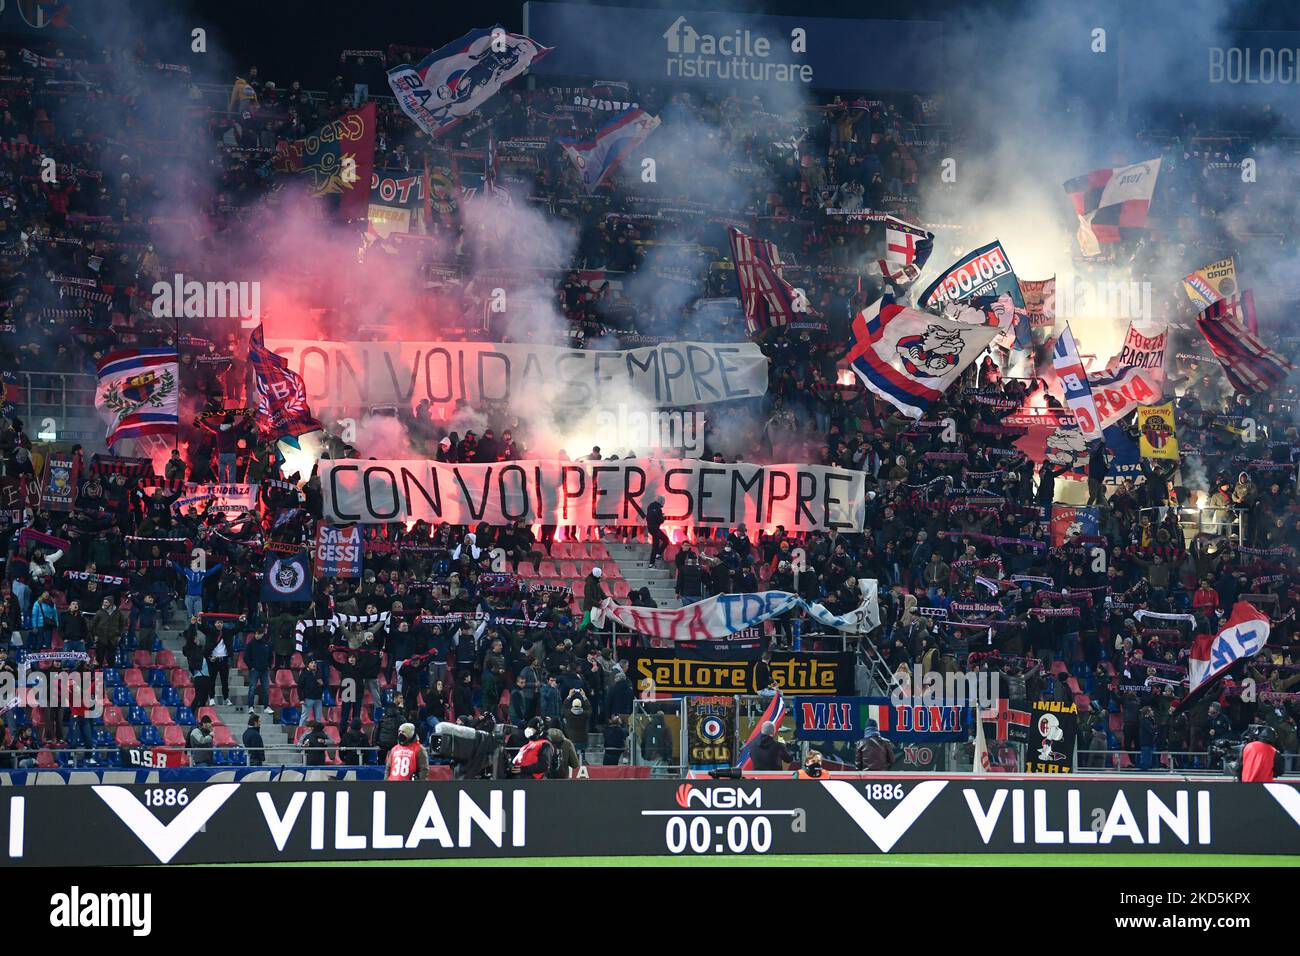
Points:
(407, 759)
(537, 755)
(1260, 759)
(1206, 599)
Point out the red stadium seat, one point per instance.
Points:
(165, 658)
(112, 716)
(284, 678)
(561, 550)
(208, 712)
(599, 551)
(276, 698)
(45, 760)
(125, 736)
(526, 570)
(296, 662)
(142, 659)
(568, 570)
(133, 677)
(146, 697)
(173, 736)
(222, 737)
(161, 716)
(548, 569)
(620, 589)
(180, 677)
(187, 696)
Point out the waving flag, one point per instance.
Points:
(907, 248)
(768, 300)
(1250, 365)
(909, 357)
(138, 392)
(985, 275)
(452, 82)
(337, 159)
(1112, 204)
(1244, 635)
(1208, 284)
(597, 158)
(774, 712)
(282, 408)
(1074, 382)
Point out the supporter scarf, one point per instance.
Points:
(41, 657)
(944, 456)
(136, 537)
(1144, 614)
(975, 608)
(31, 534)
(1266, 552)
(1267, 579)
(1054, 611)
(101, 578)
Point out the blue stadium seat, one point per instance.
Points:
(238, 643)
(170, 697)
(158, 679)
(184, 717)
(128, 643)
(220, 757)
(137, 714)
(157, 644)
(112, 677)
(238, 757)
(150, 737)
(327, 698)
(290, 716)
(103, 739)
(65, 758)
(121, 697)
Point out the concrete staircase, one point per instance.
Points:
(276, 737)
(634, 561)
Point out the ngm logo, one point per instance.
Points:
(718, 798)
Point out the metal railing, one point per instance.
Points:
(54, 395)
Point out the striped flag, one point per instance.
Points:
(1074, 384)
(774, 712)
(1250, 365)
(1112, 204)
(768, 299)
(139, 392)
(909, 357)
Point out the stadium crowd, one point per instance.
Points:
(431, 630)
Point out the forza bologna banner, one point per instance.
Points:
(686, 671)
(798, 497)
(124, 825)
(348, 374)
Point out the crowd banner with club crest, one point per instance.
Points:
(138, 393)
(1158, 436)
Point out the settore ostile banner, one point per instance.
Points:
(695, 493)
(339, 374)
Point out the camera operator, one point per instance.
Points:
(1260, 759)
(537, 755)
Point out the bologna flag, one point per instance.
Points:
(338, 160)
(1249, 364)
(774, 713)
(768, 300)
(138, 393)
(599, 156)
(282, 408)
(909, 357)
(1074, 384)
(907, 248)
(454, 81)
(1112, 204)
(1243, 636)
